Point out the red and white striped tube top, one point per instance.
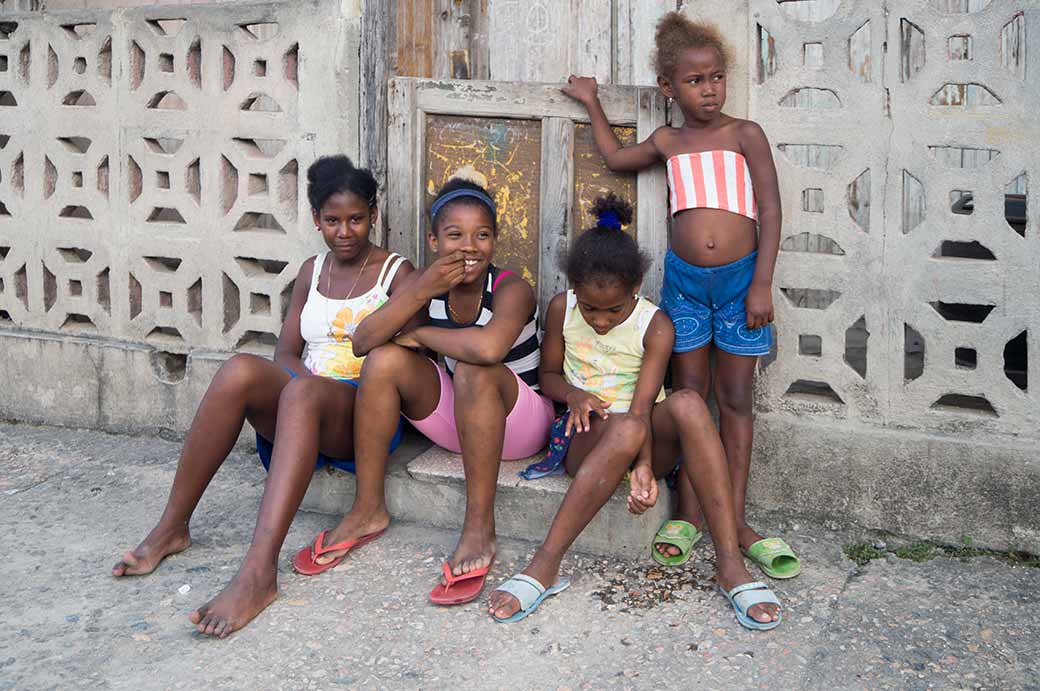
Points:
(711, 180)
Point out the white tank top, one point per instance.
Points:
(333, 355)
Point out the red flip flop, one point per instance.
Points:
(305, 562)
(458, 590)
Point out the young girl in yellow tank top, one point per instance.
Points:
(604, 356)
(719, 271)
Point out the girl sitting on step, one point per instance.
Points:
(301, 404)
(604, 356)
(483, 402)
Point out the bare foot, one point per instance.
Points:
(248, 594)
(502, 605)
(475, 550)
(730, 573)
(159, 544)
(354, 525)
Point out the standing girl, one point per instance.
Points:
(604, 355)
(719, 271)
(483, 402)
(301, 405)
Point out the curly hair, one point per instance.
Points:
(606, 254)
(330, 175)
(676, 33)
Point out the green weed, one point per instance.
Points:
(917, 551)
(862, 552)
(923, 550)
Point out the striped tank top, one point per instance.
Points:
(711, 180)
(522, 358)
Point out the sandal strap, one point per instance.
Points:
(748, 595)
(678, 533)
(753, 585)
(525, 589)
(749, 599)
(319, 547)
(451, 579)
(770, 549)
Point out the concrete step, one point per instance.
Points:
(426, 484)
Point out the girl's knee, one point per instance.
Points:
(626, 431)
(734, 397)
(698, 385)
(470, 380)
(688, 407)
(384, 359)
(240, 370)
(302, 392)
(466, 373)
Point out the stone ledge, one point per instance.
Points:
(912, 484)
(427, 485)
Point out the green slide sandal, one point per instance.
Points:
(679, 533)
(775, 558)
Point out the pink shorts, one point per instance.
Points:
(527, 424)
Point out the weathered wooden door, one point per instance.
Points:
(535, 147)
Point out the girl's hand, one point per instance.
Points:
(407, 340)
(581, 89)
(442, 275)
(643, 494)
(759, 305)
(582, 405)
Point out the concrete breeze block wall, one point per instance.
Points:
(152, 196)
(906, 143)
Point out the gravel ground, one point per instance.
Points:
(72, 501)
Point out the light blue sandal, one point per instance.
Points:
(529, 593)
(745, 596)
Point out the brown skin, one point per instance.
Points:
(397, 379)
(709, 237)
(252, 388)
(647, 439)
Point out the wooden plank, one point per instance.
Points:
(495, 99)
(593, 40)
(508, 153)
(652, 191)
(479, 47)
(532, 40)
(635, 23)
(592, 178)
(404, 234)
(451, 49)
(375, 26)
(414, 39)
(557, 191)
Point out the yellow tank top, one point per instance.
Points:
(606, 366)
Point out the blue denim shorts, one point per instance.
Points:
(265, 448)
(706, 303)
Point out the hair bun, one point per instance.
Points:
(470, 174)
(611, 211)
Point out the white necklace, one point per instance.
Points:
(328, 287)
